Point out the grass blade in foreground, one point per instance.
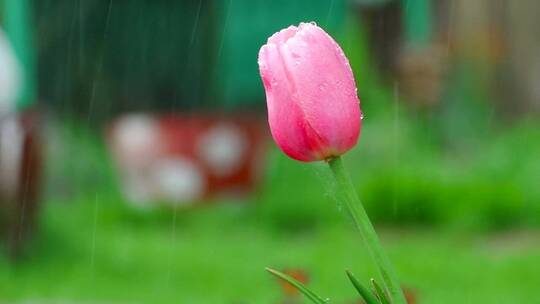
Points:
(301, 287)
(381, 295)
(365, 293)
(362, 222)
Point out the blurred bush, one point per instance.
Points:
(124, 56)
(296, 196)
(404, 179)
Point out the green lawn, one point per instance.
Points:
(461, 244)
(88, 252)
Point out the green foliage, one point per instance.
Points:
(490, 187)
(99, 249)
(365, 293)
(404, 178)
(115, 56)
(313, 297)
(296, 196)
(103, 251)
(381, 294)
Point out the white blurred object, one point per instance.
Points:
(136, 137)
(223, 148)
(179, 180)
(10, 76)
(136, 143)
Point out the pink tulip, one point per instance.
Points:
(313, 109)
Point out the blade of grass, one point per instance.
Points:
(380, 292)
(365, 293)
(301, 287)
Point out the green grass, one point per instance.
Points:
(460, 228)
(106, 252)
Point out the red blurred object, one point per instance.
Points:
(181, 159)
(410, 295)
(298, 274)
(20, 178)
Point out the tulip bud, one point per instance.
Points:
(313, 108)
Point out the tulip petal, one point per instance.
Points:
(327, 93)
(286, 119)
(283, 35)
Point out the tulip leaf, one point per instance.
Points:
(380, 292)
(365, 293)
(298, 285)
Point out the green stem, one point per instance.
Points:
(362, 222)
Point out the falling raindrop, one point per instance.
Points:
(396, 148)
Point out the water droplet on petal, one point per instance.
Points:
(296, 56)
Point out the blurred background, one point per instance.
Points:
(136, 164)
